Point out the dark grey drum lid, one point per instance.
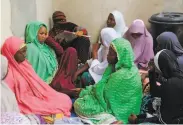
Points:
(167, 18)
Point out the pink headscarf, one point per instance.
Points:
(33, 95)
(142, 46)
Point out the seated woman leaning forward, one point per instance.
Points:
(118, 93)
(33, 95)
(171, 89)
(8, 100)
(98, 63)
(44, 62)
(169, 108)
(10, 113)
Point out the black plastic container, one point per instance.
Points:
(167, 21)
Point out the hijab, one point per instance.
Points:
(41, 56)
(169, 40)
(166, 62)
(142, 46)
(171, 89)
(118, 93)
(120, 26)
(31, 92)
(8, 100)
(98, 67)
(107, 36)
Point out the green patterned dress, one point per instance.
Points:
(118, 93)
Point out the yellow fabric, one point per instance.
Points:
(79, 33)
(23, 45)
(51, 118)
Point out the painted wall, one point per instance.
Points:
(44, 12)
(93, 13)
(5, 20)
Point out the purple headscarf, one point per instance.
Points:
(168, 40)
(142, 46)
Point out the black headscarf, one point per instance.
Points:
(166, 62)
(171, 89)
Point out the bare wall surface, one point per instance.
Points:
(92, 14)
(43, 13)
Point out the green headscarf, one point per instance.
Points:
(41, 56)
(119, 93)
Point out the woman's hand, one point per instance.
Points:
(132, 118)
(76, 92)
(80, 71)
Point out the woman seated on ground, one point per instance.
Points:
(98, 63)
(10, 113)
(64, 78)
(8, 100)
(81, 44)
(118, 93)
(41, 56)
(116, 21)
(170, 109)
(44, 62)
(169, 40)
(142, 43)
(33, 95)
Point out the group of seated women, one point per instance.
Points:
(121, 82)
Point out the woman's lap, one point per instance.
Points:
(86, 79)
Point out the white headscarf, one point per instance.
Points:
(10, 113)
(156, 57)
(107, 35)
(98, 66)
(4, 66)
(120, 26)
(8, 100)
